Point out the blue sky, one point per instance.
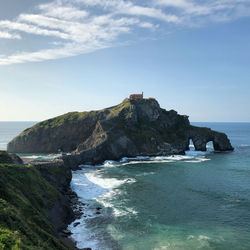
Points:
(61, 56)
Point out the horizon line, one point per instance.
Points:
(190, 121)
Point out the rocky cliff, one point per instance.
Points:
(34, 204)
(134, 127)
(9, 158)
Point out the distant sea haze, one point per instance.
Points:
(197, 201)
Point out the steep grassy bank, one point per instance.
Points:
(25, 201)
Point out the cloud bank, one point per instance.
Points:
(75, 27)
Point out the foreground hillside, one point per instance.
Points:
(28, 203)
(132, 128)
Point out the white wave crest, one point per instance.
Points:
(190, 156)
(91, 188)
(40, 157)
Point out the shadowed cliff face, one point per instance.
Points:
(134, 127)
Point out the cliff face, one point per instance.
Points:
(134, 127)
(34, 204)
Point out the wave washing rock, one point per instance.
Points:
(132, 128)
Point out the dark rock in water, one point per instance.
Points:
(66, 232)
(98, 212)
(132, 128)
(98, 208)
(87, 248)
(76, 224)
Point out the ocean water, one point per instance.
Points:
(197, 201)
(9, 130)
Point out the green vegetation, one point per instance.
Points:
(117, 109)
(24, 200)
(5, 157)
(60, 120)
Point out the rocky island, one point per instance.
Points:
(136, 127)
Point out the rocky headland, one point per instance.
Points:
(38, 216)
(35, 204)
(132, 128)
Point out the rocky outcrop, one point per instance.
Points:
(9, 158)
(59, 176)
(201, 136)
(132, 128)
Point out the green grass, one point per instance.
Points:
(72, 117)
(60, 120)
(24, 200)
(117, 109)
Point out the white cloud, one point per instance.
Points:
(187, 6)
(59, 11)
(74, 27)
(129, 8)
(67, 50)
(224, 9)
(18, 26)
(7, 35)
(148, 25)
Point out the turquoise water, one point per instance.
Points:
(193, 202)
(200, 201)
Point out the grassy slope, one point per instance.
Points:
(75, 116)
(60, 120)
(24, 198)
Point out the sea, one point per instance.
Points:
(196, 201)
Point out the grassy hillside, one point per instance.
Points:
(58, 121)
(5, 157)
(24, 200)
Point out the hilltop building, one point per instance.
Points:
(136, 96)
(139, 96)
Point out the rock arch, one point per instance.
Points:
(201, 136)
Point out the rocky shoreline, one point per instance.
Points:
(55, 176)
(65, 211)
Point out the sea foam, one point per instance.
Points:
(93, 189)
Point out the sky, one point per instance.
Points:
(59, 56)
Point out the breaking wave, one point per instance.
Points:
(93, 190)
